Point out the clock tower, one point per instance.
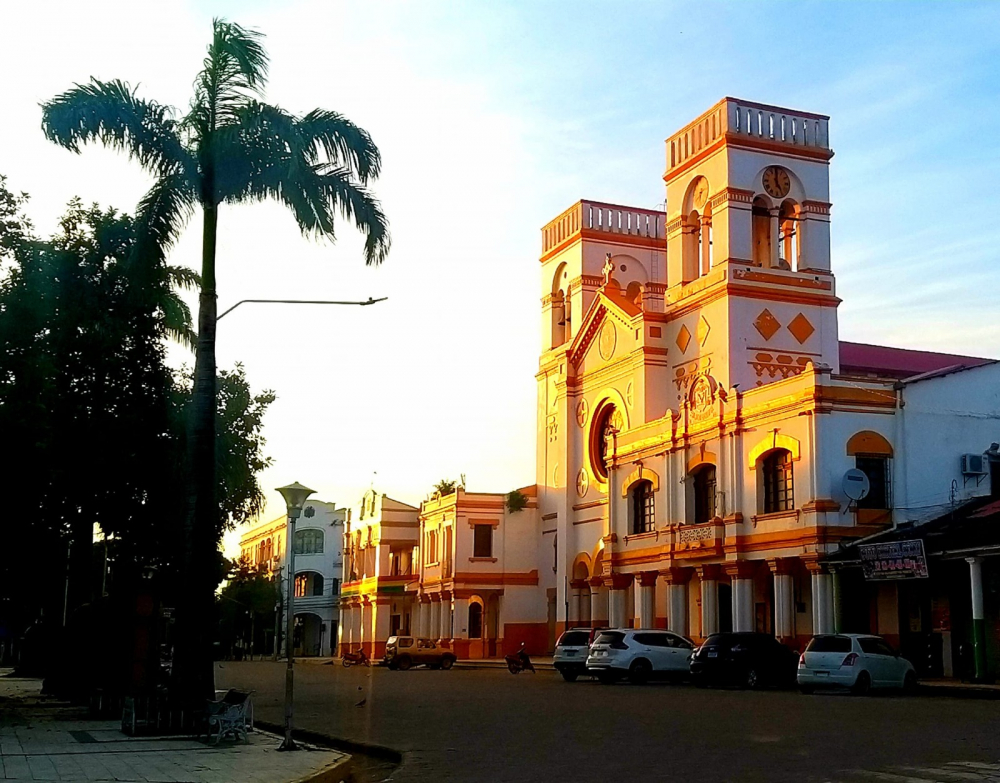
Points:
(750, 293)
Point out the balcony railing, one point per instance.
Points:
(754, 120)
(595, 216)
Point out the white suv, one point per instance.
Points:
(639, 654)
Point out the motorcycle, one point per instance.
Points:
(519, 662)
(356, 659)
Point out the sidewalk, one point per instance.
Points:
(42, 739)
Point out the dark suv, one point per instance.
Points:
(752, 660)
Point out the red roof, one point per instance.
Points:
(886, 362)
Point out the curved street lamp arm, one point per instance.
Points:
(369, 301)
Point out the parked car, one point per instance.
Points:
(745, 658)
(639, 654)
(860, 662)
(570, 654)
(404, 652)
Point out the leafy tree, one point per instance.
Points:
(229, 148)
(246, 607)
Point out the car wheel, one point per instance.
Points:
(404, 663)
(639, 671)
(569, 676)
(910, 683)
(607, 678)
(752, 678)
(447, 662)
(862, 685)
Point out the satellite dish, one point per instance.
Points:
(856, 484)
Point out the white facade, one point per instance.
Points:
(318, 570)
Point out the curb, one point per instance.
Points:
(335, 743)
(958, 691)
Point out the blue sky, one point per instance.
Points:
(492, 118)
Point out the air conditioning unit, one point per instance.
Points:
(975, 465)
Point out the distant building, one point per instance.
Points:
(318, 567)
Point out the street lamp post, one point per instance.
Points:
(294, 495)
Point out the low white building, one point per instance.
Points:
(318, 545)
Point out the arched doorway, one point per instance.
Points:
(308, 635)
(493, 626)
(477, 627)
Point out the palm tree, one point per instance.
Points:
(229, 148)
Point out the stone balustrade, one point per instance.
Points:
(611, 218)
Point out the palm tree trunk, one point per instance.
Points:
(194, 675)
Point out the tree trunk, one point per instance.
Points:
(194, 676)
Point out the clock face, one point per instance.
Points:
(701, 194)
(776, 181)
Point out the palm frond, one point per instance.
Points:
(111, 113)
(357, 203)
(177, 320)
(162, 214)
(183, 277)
(343, 142)
(234, 69)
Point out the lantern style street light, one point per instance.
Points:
(294, 495)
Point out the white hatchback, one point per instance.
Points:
(639, 654)
(860, 662)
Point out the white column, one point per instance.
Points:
(576, 607)
(784, 606)
(677, 620)
(742, 604)
(416, 618)
(822, 603)
(435, 622)
(978, 618)
(709, 605)
(598, 604)
(460, 626)
(647, 604)
(445, 632)
(774, 237)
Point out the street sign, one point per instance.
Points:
(896, 560)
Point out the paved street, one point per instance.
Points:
(487, 725)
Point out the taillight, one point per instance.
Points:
(802, 660)
(850, 659)
(619, 646)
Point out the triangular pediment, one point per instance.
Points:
(610, 302)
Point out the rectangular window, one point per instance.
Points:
(778, 489)
(483, 544)
(876, 468)
(334, 586)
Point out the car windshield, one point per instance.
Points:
(610, 637)
(829, 644)
(716, 640)
(573, 639)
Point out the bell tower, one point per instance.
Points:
(748, 244)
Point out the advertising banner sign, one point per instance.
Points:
(896, 560)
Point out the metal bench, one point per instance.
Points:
(232, 715)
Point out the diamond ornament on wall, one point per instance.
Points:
(683, 338)
(766, 324)
(703, 330)
(800, 328)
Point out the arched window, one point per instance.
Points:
(873, 456)
(704, 493)
(475, 620)
(308, 583)
(778, 484)
(641, 507)
(309, 542)
(607, 423)
(761, 218)
(788, 239)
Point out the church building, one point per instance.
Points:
(700, 421)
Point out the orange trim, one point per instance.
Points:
(755, 276)
(868, 442)
(490, 522)
(739, 141)
(503, 577)
(695, 159)
(820, 505)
